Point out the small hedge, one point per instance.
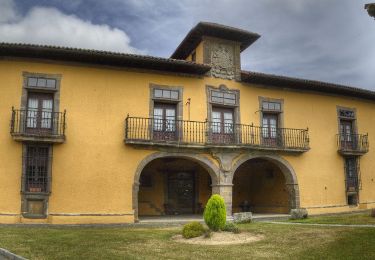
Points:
(193, 229)
(215, 214)
(231, 227)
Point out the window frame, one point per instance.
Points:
(27, 196)
(235, 107)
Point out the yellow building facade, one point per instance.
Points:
(99, 137)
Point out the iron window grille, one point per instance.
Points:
(37, 169)
(352, 174)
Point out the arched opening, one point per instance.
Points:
(173, 186)
(264, 185)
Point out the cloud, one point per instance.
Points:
(49, 26)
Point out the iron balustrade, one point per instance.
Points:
(353, 143)
(198, 133)
(28, 122)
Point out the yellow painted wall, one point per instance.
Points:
(93, 171)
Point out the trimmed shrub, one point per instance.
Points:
(193, 229)
(373, 213)
(215, 214)
(231, 227)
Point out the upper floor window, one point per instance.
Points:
(223, 97)
(39, 82)
(166, 94)
(271, 106)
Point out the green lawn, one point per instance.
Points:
(281, 241)
(345, 219)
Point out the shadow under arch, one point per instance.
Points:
(203, 161)
(291, 181)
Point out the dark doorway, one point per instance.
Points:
(181, 193)
(173, 186)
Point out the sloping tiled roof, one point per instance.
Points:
(193, 38)
(101, 58)
(304, 84)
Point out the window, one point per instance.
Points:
(166, 94)
(36, 168)
(271, 106)
(39, 82)
(224, 98)
(193, 56)
(347, 129)
(351, 172)
(222, 125)
(271, 121)
(39, 112)
(164, 121)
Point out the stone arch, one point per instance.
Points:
(285, 167)
(203, 161)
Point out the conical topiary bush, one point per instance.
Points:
(215, 213)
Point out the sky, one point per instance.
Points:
(325, 40)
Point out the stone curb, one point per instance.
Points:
(321, 225)
(6, 255)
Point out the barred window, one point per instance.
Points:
(39, 82)
(36, 168)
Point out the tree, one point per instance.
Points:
(370, 9)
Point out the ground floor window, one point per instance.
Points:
(36, 168)
(351, 172)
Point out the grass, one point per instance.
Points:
(281, 241)
(344, 219)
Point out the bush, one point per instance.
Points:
(373, 213)
(231, 227)
(215, 214)
(193, 229)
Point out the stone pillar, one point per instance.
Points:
(135, 200)
(225, 190)
(293, 192)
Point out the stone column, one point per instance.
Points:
(135, 201)
(225, 190)
(293, 192)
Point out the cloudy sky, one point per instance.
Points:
(328, 40)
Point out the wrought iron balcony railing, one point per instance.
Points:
(208, 134)
(36, 125)
(352, 143)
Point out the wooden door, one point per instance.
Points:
(347, 137)
(270, 129)
(164, 122)
(222, 126)
(39, 113)
(181, 192)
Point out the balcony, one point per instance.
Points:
(352, 144)
(38, 126)
(204, 135)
